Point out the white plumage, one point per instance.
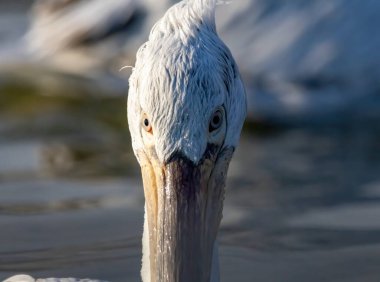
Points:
(181, 75)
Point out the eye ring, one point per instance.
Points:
(146, 124)
(216, 120)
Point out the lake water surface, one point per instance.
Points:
(302, 204)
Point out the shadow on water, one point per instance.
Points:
(302, 203)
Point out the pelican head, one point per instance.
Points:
(186, 108)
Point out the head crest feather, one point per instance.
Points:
(205, 9)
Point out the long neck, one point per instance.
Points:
(145, 269)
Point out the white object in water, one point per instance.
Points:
(186, 108)
(27, 278)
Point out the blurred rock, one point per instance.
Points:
(75, 34)
(306, 61)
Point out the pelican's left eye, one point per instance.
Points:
(216, 121)
(145, 122)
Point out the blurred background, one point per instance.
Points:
(303, 193)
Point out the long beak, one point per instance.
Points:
(184, 203)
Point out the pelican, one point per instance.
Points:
(186, 108)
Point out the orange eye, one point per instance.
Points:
(145, 122)
(216, 121)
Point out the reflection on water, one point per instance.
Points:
(302, 204)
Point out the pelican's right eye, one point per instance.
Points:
(145, 123)
(217, 126)
(216, 120)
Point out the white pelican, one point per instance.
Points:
(186, 108)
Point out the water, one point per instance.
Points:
(302, 204)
